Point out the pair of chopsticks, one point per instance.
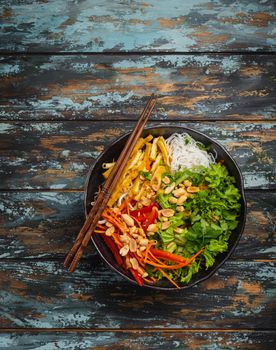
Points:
(95, 213)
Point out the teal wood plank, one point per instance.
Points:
(69, 26)
(44, 224)
(58, 155)
(41, 294)
(192, 87)
(138, 340)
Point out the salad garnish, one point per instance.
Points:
(172, 211)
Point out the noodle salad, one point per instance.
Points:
(172, 211)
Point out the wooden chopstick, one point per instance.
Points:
(86, 232)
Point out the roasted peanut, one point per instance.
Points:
(141, 232)
(166, 180)
(124, 250)
(152, 228)
(124, 239)
(193, 189)
(133, 230)
(134, 263)
(179, 192)
(110, 231)
(143, 241)
(165, 225)
(172, 200)
(179, 208)
(167, 212)
(169, 188)
(116, 210)
(181, 199)
(171, 247)
(187, 183)
(128, 220)
(132, 245)
(178, 230)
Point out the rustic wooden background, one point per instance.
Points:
(74, 76)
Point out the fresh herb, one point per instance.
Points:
(209, 218)
(146, 175)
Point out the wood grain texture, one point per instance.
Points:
(41, 294)
(69, 26)
(196, 87)
(58, 155)
(240, 340)
(44, 225)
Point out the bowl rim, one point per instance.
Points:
(242, 200)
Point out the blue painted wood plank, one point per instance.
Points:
(193, 87)
(194, 25)
(58, 155)
(137, 340)
(44, 224)
(41, 294)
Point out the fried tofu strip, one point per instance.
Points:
(153, 152)
(164, 150)
(140, 143)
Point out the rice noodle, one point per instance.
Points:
(186, 153)
(122, 196)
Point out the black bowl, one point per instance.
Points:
(95, 178)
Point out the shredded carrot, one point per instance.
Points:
(168, 278)
(147, 250)
(164, 266)
(113, 221)
(116, 240)
(137, 221)
(99, 231)
(100, 226)
(127, 206)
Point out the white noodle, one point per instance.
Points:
(185, 153)
(122, 196)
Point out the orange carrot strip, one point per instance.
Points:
(100, 226)
(168, 278)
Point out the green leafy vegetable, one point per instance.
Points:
(209, 217)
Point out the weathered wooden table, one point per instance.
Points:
(74, 76)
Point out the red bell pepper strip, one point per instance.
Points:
(146, 215)
(150, 219)
(137, 278)
(144, 210)
(114, 249)
(167, 256)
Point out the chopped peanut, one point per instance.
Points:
(110, 231)
(173, 200)
(193, 189)
(134, 263)
(178, 230)
(181, 199)
(124, 250)
(187, 183)
(166, 180)
(169, 188)
(132, 245)
(128, 220)
(167, 212)
(152, 228)
(179, 192)
(165, 225)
